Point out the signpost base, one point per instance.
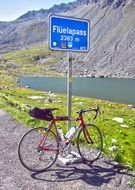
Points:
(70, 158)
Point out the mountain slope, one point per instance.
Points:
(112, 39)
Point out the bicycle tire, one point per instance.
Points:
(29, 154)
(90, 151)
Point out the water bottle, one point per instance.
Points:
(71, 133)
(61, 134)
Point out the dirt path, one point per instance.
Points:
(103, 174)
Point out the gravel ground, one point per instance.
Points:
(102, 174)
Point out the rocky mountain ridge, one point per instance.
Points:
(64, 7)
(112, 39)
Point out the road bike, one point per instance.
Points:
(39, 148)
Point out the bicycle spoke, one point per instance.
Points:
(89, 143)
(38, 149)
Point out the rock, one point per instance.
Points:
(35, 97)
(113, 148)
(118, 119)
(114, 141)
(27, 86)
(35, 58)
(124, 126)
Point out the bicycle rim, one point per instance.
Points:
(90, 146)
(34, 158)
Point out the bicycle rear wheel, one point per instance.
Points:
(38, 149)
(90, 143)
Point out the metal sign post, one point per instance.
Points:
(71, 35)
(69, 88)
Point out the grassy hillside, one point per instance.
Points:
(36, 60)
(112, 39)
(28, 60)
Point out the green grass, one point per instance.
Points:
(25, 63)
(17, 103)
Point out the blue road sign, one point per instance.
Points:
(69, 34)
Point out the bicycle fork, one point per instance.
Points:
(87, 135)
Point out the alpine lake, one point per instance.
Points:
(120, 90)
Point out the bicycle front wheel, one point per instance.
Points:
(38, 149)
(90, 143)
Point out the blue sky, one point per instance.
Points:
(12, 9)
